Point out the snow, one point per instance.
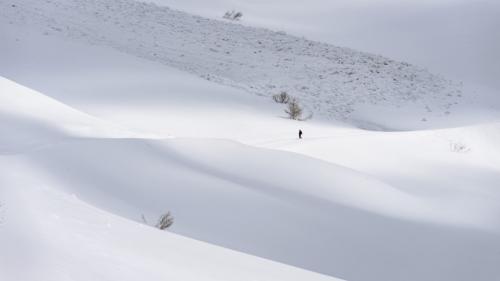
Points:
(30, 119)
(50, 235)
(94, 136)
(450, 37)
(330, 81)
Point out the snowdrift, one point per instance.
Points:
(278, 205)
(48, 233)
(124, 130)
(30, 119)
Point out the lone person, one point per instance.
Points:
(300, 134)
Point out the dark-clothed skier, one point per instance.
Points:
(300, 134)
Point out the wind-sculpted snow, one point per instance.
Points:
(66, 201)
(350, 203)
(277, 205)
(329, 80)
(49, 235)
(30, 120)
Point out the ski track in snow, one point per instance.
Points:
(330, 81)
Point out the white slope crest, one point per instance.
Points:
(31, 119)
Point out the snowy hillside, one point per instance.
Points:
(103, 125)
(331, 81)
(450, 37)
(48, 230)
(232, 195)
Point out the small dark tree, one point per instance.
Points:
(227, 15)
(233, 15)
(237, 16)
(294, 110)
(165, 221)
(282, 97)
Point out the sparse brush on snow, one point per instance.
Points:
(166, 220)
(282, 97)
(459, 147)
(357, 77)
(233, 15)
(294, 110)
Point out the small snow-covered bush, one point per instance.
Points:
(459, 147)
(233, 15)
(166, 220)
(282, 97)
(294, 110)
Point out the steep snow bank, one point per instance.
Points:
(32, 119)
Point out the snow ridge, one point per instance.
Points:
(331, 81)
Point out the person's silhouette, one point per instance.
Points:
(300, 134)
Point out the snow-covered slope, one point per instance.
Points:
(349, 203)
(450, 37)
(331, 81)
(48, 233)
(30, 120)
(231, 195)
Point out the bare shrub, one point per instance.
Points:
(294, 110)
(237, 16)
(227, 15)
(165, 221)
(233, 15)
(282, 97)
(144, 219)
(459, 147)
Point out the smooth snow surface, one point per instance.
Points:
(50, 235)
(98, 133)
